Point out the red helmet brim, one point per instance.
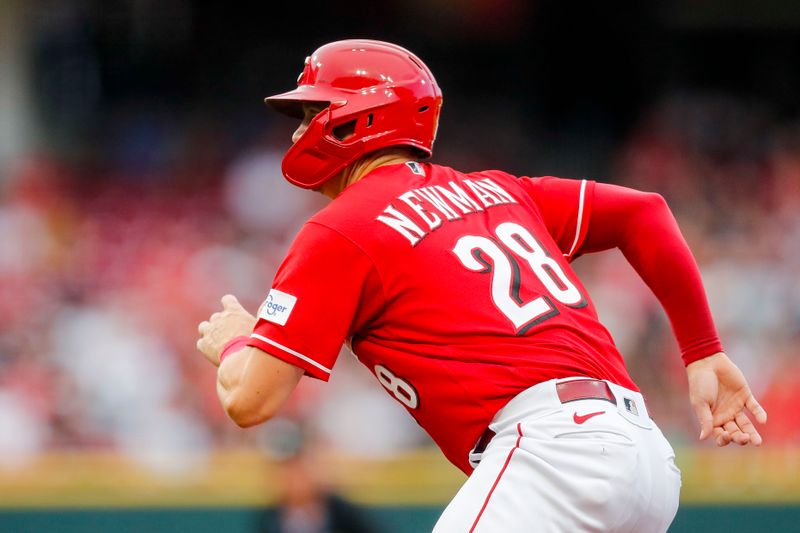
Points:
(291, 102)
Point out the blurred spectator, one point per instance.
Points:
(305, 504)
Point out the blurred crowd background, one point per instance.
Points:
(140, 181)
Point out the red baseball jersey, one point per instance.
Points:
(454, 289)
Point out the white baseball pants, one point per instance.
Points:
(581, 466)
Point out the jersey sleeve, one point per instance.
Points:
(314, 300)
(642, 226)
(565, 206)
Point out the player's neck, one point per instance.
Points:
(354, 172)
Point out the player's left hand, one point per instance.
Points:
(223, 326)
(719, 394)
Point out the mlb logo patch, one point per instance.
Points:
(630, 406)
(416, 168)
(277, 307)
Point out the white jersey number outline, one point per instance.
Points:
(470, 250)
(400, 388)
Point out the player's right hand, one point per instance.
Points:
(720, 395)
(222, 326)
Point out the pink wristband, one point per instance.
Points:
(233, 345)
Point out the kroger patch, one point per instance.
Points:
(277, 307)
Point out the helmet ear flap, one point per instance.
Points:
(315, 157)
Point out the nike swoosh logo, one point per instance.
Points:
(580, 419)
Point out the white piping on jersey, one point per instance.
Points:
(580, 219)
(294, 353)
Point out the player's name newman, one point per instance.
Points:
(421, 211)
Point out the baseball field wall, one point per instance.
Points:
(723, 490)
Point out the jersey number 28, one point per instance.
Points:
(516, 240)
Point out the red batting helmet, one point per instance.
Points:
(378, 95)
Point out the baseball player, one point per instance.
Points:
(455, 290)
